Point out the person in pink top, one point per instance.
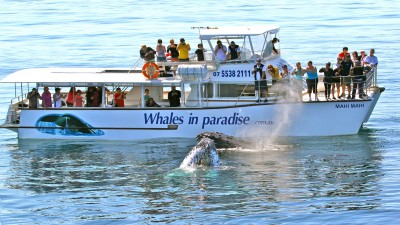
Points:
(46, 98)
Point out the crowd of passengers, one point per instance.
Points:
(73, 98)
(93, 98)
(350, 74)
(180, 52)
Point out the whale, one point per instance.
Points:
(204, 153)
(222, 140)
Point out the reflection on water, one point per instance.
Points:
(338, 173)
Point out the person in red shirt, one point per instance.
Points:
(119, 97)
(78, 99)
(343, 53)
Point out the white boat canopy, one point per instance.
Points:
(217, 32)
(82, 76)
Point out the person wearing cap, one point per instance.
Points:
(33, 97)
(174, 97)
(233, 51)
(46, 98)
(183, 49)
(371, 59)
(220, 51)
(260, 81)
(57, 98)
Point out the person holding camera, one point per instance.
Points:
(220, 51)
(183, 49)
(33, 97)
(119, 97)
(57, 98)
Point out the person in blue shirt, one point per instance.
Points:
(298, 74)
(312, 81)
(371, 60)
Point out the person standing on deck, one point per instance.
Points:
(260, 81)
(371, 60)
(220, 51)
(46, 98)
(119, 97)
(312, 81)
(160, 51)
(233, 51)
(328, 75)
(298, 74)
(183, 49)
(344, 53)
(33, 97)
(174, 97)
(346, 64)
(57, 98)
(200, 52)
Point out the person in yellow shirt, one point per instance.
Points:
(183, 49)
(274, 73)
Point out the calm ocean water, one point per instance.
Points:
(332, 180)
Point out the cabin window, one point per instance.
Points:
(234, 90)
(208, 90)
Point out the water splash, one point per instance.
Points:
(287, 109)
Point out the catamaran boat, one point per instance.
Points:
(216, 96)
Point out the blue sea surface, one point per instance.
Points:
(350, 179)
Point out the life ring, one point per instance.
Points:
(150, 70)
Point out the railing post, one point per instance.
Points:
(376, 75)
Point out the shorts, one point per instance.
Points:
(161, 59)
(312, 85)
(336, 80)
(346, 81)
(260, 85)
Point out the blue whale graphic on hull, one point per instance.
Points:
(67, 125)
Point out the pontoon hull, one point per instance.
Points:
(273, 119)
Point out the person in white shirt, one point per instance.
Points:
(220, 51)
(371, 60)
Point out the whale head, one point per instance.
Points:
(203, 154)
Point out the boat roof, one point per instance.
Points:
(215, 32)
(83, 76)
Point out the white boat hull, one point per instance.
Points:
(275, 119)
